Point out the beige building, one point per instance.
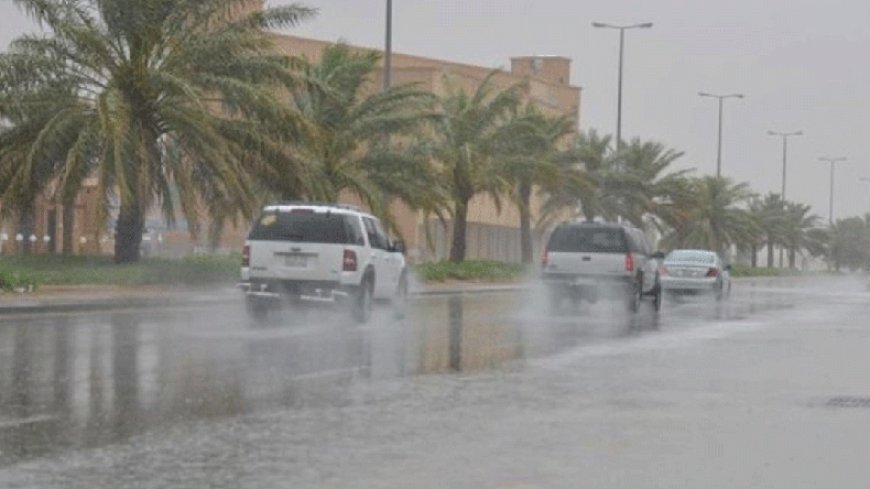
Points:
(492, 233)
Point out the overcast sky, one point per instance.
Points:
(803, 64)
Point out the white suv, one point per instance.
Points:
(586, 260)
(321, 253)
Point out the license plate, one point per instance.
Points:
(296, 261)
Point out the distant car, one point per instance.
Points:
(695, 271)
(321, 254)
(587, 260)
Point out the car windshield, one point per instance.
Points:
(691, 256)
(588, 240)
(306, 226)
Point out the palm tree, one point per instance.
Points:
(797, 223)
(536, 154)
(465, 151)
(770, 213)
(344, 140)
(849, 243)
(592, 152)
(148, 79)
(645, 184)
(715, 219)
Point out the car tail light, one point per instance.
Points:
(629, 263)
(246, 256)
(545, 259)
(713, 272)
(348, 261)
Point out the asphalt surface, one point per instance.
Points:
(769, 389)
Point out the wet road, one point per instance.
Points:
(467, 391)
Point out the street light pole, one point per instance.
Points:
(721, 99)
(866, 180)
(388, 48)
(832, 161)
(784, 136)
(621, 29)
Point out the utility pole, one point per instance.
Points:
(784, 136)
(832, 161)
(721, 99)
(388, 48)
(621, 29)
(866, 180)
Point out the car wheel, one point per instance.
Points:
(400, 300)
(555, 297)
(362, 304)
(634, 299)
(256, 310)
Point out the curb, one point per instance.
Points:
(100, 305)
(109, 305)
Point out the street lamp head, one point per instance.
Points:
(600, 25)
(833, 160)
(737, 95)
(705, 94)
(645, 25)
(772, 133)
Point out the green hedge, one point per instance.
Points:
(744, 271)
(477, 270)
(78, 270)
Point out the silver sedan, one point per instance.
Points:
(695, 271)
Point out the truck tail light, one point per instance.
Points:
(629, 263)
(348, 261)
(713, 272)
(545, 259)
(246, 256)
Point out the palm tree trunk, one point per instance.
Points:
(525, 192)
(129, 230)
(754, 250)
(792, 257)
(68, 220)
(770, 263)
(460, 228)
(215, 234)
(25, 228)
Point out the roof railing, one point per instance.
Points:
(336, 205)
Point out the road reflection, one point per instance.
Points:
(84, 381)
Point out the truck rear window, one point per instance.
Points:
(307, 227)
(587, 240)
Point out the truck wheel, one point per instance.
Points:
(361, 309)
(555, 297)
(634, 299)
(658, 297)
(400, 300)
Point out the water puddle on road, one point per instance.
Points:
(77, 381)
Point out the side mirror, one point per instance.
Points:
(658, 255)
(398, 246)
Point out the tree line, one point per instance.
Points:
(187, 105)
